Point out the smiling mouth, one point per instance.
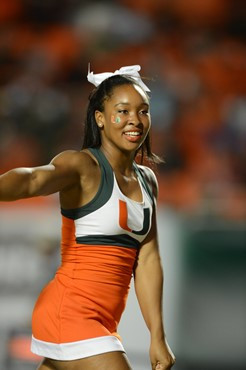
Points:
(133, 133)
(133, 136)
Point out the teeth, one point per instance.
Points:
(132, 133)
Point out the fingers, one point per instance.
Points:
(159, 366)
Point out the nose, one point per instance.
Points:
(134, 118)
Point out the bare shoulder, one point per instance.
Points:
(79, 161)
(83, 172)
(150, 178)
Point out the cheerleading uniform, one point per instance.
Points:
(77, 313)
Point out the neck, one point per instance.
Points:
(120, 161)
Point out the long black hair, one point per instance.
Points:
(92, 135)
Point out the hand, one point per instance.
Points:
(161, 355)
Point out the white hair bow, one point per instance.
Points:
(128, 71)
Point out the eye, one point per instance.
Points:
(124, 111)
(144, 112)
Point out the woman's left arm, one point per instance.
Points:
(148, 276)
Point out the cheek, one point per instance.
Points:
(115, 119)
(148, 120)
(149, 123)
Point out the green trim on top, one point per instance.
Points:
(103, 194)
(140, 174)
(121, 240)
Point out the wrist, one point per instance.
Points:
(157, 334)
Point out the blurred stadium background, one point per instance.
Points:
(194, 55)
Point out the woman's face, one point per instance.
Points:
(125, 121)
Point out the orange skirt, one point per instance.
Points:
(77, 313)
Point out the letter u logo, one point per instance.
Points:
(123, 217)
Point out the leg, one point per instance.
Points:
(45, 365)
(111, 360)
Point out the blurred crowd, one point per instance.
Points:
(193, 56)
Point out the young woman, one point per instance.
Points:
(108, 233)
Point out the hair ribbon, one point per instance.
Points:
(128, 71)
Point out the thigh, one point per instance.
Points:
(111, 360)
(45, 365)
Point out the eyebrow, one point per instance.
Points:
(122, 103)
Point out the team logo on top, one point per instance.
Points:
(123, 217)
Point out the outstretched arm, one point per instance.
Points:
(22, 183)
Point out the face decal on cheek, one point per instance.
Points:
(115, 119)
